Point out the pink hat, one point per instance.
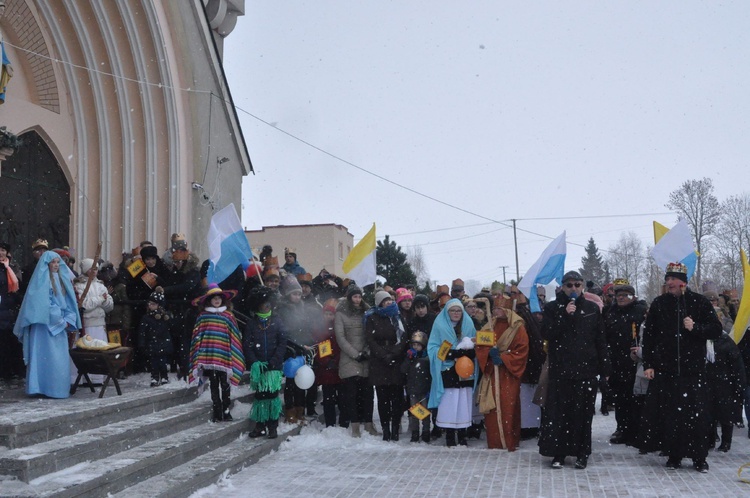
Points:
(402, 293)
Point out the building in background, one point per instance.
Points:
(317, 246)
(128, 127)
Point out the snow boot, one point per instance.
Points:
(258, 431)
(462, 437)
(395, 429)
(370, 429)
(355, 430)
(450, 437)
(272, 426)
(386, 432)
(291, 416)
(414, 437)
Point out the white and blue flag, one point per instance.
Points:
(228, 247)
(550, 266)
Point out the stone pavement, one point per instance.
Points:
(329, 463)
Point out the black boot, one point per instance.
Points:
(437, 432)
(272, 426)
(414, 437)
(462, 437)
(217, 415)
(258, 431)
(386, 432)
(450, 437)
(726, 437)
(395, 429)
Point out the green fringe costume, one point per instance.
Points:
(266, 384)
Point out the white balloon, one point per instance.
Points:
(305, 377)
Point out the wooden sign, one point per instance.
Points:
(136, 267)
(113, 336)
(419, 411)
(442, 353)
(485, 338)
(325, 349)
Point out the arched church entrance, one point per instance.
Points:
(34, 199)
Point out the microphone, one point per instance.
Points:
(573, 296)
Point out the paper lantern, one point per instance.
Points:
(305, 377)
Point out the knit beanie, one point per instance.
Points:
(291, 284)
(403, 293)
(352, 290)
(380, 296)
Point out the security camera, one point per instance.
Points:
(197, 186)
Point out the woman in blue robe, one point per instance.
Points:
(48, 312)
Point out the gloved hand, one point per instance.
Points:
(411, 353)
(495, 357)
(455, 354)
(362, 356)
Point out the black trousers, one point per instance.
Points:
(357, 399)
(218, 382)
(390, 403)
(331, 398)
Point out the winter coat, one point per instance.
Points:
(327, 369)
(95, 306)
(350, 336)
(418, 378)
(577, 347)
(10, 302)
(121, 315)
(182, 285)
(154, 333)
(138, 290)
(422, 324)
(621, 326)
(294, 269)
(661, 339)
(726, 379)
(537, 356)
(386, 350)
(264, 342)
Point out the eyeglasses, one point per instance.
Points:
(576, 285)
(627, 296)
(455, 310)
(471, 306)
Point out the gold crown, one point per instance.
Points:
(677, 268)
(40, 243)
(621, 281)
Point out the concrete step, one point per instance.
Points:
(208, 468)
(30, 423)
(33, 461)
(122, 470)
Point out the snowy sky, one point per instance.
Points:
(487, 111)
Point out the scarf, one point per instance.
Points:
(12, 278)
(392, 312)
(264, 316)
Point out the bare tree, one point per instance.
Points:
(627, 259)
(654, 278)
(696, 203)
(415, 258)
(733, 234)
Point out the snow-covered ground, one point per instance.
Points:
(330, 463)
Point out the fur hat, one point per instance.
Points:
(149, 252)
(380, 296)
(258, 296)
(677, 270)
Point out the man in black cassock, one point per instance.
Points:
(675, 417)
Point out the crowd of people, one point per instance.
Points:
(455, 365)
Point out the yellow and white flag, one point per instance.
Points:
(743, 313)
(360, 263)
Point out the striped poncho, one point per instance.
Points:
(216, 346)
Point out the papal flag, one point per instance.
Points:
(676, 245)
(743, 313)
(228, 247)
(360, 263)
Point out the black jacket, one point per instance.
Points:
(621, 326)
(664, 331)
(577, 348)
(264, 342)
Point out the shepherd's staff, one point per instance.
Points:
(95, 267)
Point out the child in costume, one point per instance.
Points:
(155, 338)
(416, 367)
(264, 344)
(216, 349)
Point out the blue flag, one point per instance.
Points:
(550, 266)
(228, 247)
